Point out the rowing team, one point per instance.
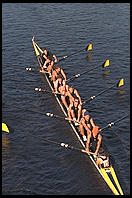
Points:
(73, 105)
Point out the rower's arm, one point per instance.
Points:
(86, 127)
(92, 123)
(63, 74)
(56, 85)
(53, 75)
(69, 112)
(72, 114)
(98, 143)
(77, 94)
(79, 112)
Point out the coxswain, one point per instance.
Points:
(74, 111)
(57, 71)
(71, 94)
(102, 159)
(86, 123)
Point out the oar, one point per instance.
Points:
(120, 83)
(62, 144)
(88, 48)
(113, 123)
(44, 90)
(33, 70)
(5, 128)
(105, 64)
(61, 117)
(49, 114)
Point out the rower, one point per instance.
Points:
(56, 72)
(95, 141)
(63, 89)
(67, 96)
(50, 68)
(44, 55)
(73, 93)
(45, 65)
(58, 83)
(55, 58)
(74, 111)
(86, 123)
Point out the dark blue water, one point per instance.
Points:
(29, 165)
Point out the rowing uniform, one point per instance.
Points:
(73, 94)
(93, 142)
(47, 65)
(59, 73)
(87, 122)
(49, 55)
(75, 109)
(64, 90)
(59, 85)
(43, 59)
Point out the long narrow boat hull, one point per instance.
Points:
(108, 174)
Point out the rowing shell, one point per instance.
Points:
(108, 174)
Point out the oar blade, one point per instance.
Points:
(106, 63)
(5, 128)
(121, 82)
(89, 47)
